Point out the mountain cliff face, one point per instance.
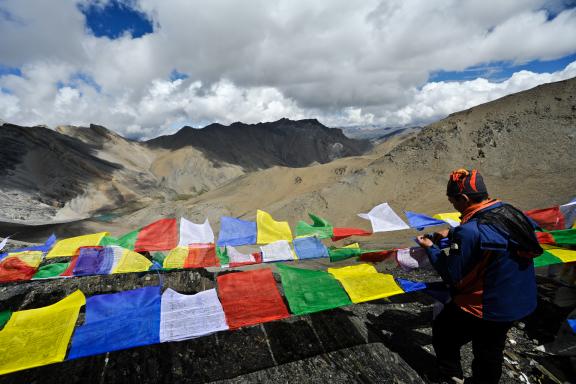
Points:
(256, 146)
(73, 172)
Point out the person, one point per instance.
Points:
(490, 273)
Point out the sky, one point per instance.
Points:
(144, 68)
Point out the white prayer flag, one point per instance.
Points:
(188, 316)
(412, 258)
(239, 257)
(277, 251)
(191, 233)
(384, 219)
(3, 243)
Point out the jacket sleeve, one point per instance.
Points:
(464, 254)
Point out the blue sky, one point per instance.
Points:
(115, 19)
(146, 67)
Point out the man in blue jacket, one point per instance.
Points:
(490, 273)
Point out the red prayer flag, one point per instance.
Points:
(201, 256)
(545, 238)
(342, 233)
(257, 257)
(250, 298)
(14, 269)
(70, 270)
(377, 256)
(161, 235)
(547, 218)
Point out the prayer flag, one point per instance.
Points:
(126, 261)
(161, 235)
(127, 240)
(563, 237)
(565, 255)
(176, 258)
(250, 298)
(310, 291)
(69, 247)
(187, 316)
(309, 248)
(223, 258)
(277, 251)
(411, 286)
(201, 256)
(384, 219)
(237, 259)
(236, 232)
(270, 230)
(94, 261)
(36, 337)
(420, 221)
(51, 270)
(191, 233)
(547, 218)
(118, 321)
(192, 256)
(3, 243)
(374, 256)
(42, 248)
(339, 254)
(19, 266)
(320, 228)
(363, 283)
(4, 317)
(412, 258)
(452, 218)
(342, 233)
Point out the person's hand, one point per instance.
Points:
(424, 241)
(440, 235)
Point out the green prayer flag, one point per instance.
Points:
(546, 258)
(338, 254)
(4, 317)
(310, 291)
(320, 228)
(51, 270)
(564, 236)
(127, 240)
(159, 257)
(222, 254)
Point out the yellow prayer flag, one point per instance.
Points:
(32, 258)
(176, 258)
(363, 282)
(132, 262)
(270, 230)
(36, 337)
(68, 247)
(450, 216)
(566, 255)
(353, 246)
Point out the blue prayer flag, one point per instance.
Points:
(420, 221)
(309, 248)
(236, 232)
(410, 286)
(118, 321)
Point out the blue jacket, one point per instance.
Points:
(487, 276)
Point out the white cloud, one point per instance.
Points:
(344, 62)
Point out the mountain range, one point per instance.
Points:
(523, 144)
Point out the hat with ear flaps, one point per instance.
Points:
(466, 182)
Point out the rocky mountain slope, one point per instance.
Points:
(256, 146)
(73, 173)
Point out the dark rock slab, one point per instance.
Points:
(368, 363)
